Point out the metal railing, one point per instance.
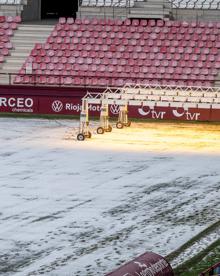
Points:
(85, 81)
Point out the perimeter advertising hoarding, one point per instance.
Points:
(19, 104)
(148, 264)
(71, 105)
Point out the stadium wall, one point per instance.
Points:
(196, 14)
(32, 11)
(67, 101)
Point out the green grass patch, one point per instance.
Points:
(200, 262)
(203, 259)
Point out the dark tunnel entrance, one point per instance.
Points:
(56, 9)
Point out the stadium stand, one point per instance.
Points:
(111, 52)
(196, 4)
(22, 41)
(12, 7)
(8, 25)
(200, 10)
(157, 9)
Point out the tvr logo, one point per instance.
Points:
(151, 113)
(188, 115)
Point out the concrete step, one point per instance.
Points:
(15, 59)
(20, 34)
(30, 41)
(11, 70)
(11, 65)
(12, 8)
(17, 54)
(26, 41)
(24, 48)
(23, 41)
(145, 16)
(30, 28)
(149, 12)
(5, 78)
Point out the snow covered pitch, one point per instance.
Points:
(83, 208)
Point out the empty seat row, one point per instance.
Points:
(137, 29)
(74, 42)
(10, 19)
(83, 22)
(115, 66)
(196, 4)
(11, 2)
(135, 35)
(175, 60)
(132, 51)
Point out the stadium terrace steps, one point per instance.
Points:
(23, 42)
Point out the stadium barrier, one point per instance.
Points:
(53, 100)
(147, 264)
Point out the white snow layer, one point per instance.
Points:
(83, 208)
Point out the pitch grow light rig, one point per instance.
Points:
(200, 98)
